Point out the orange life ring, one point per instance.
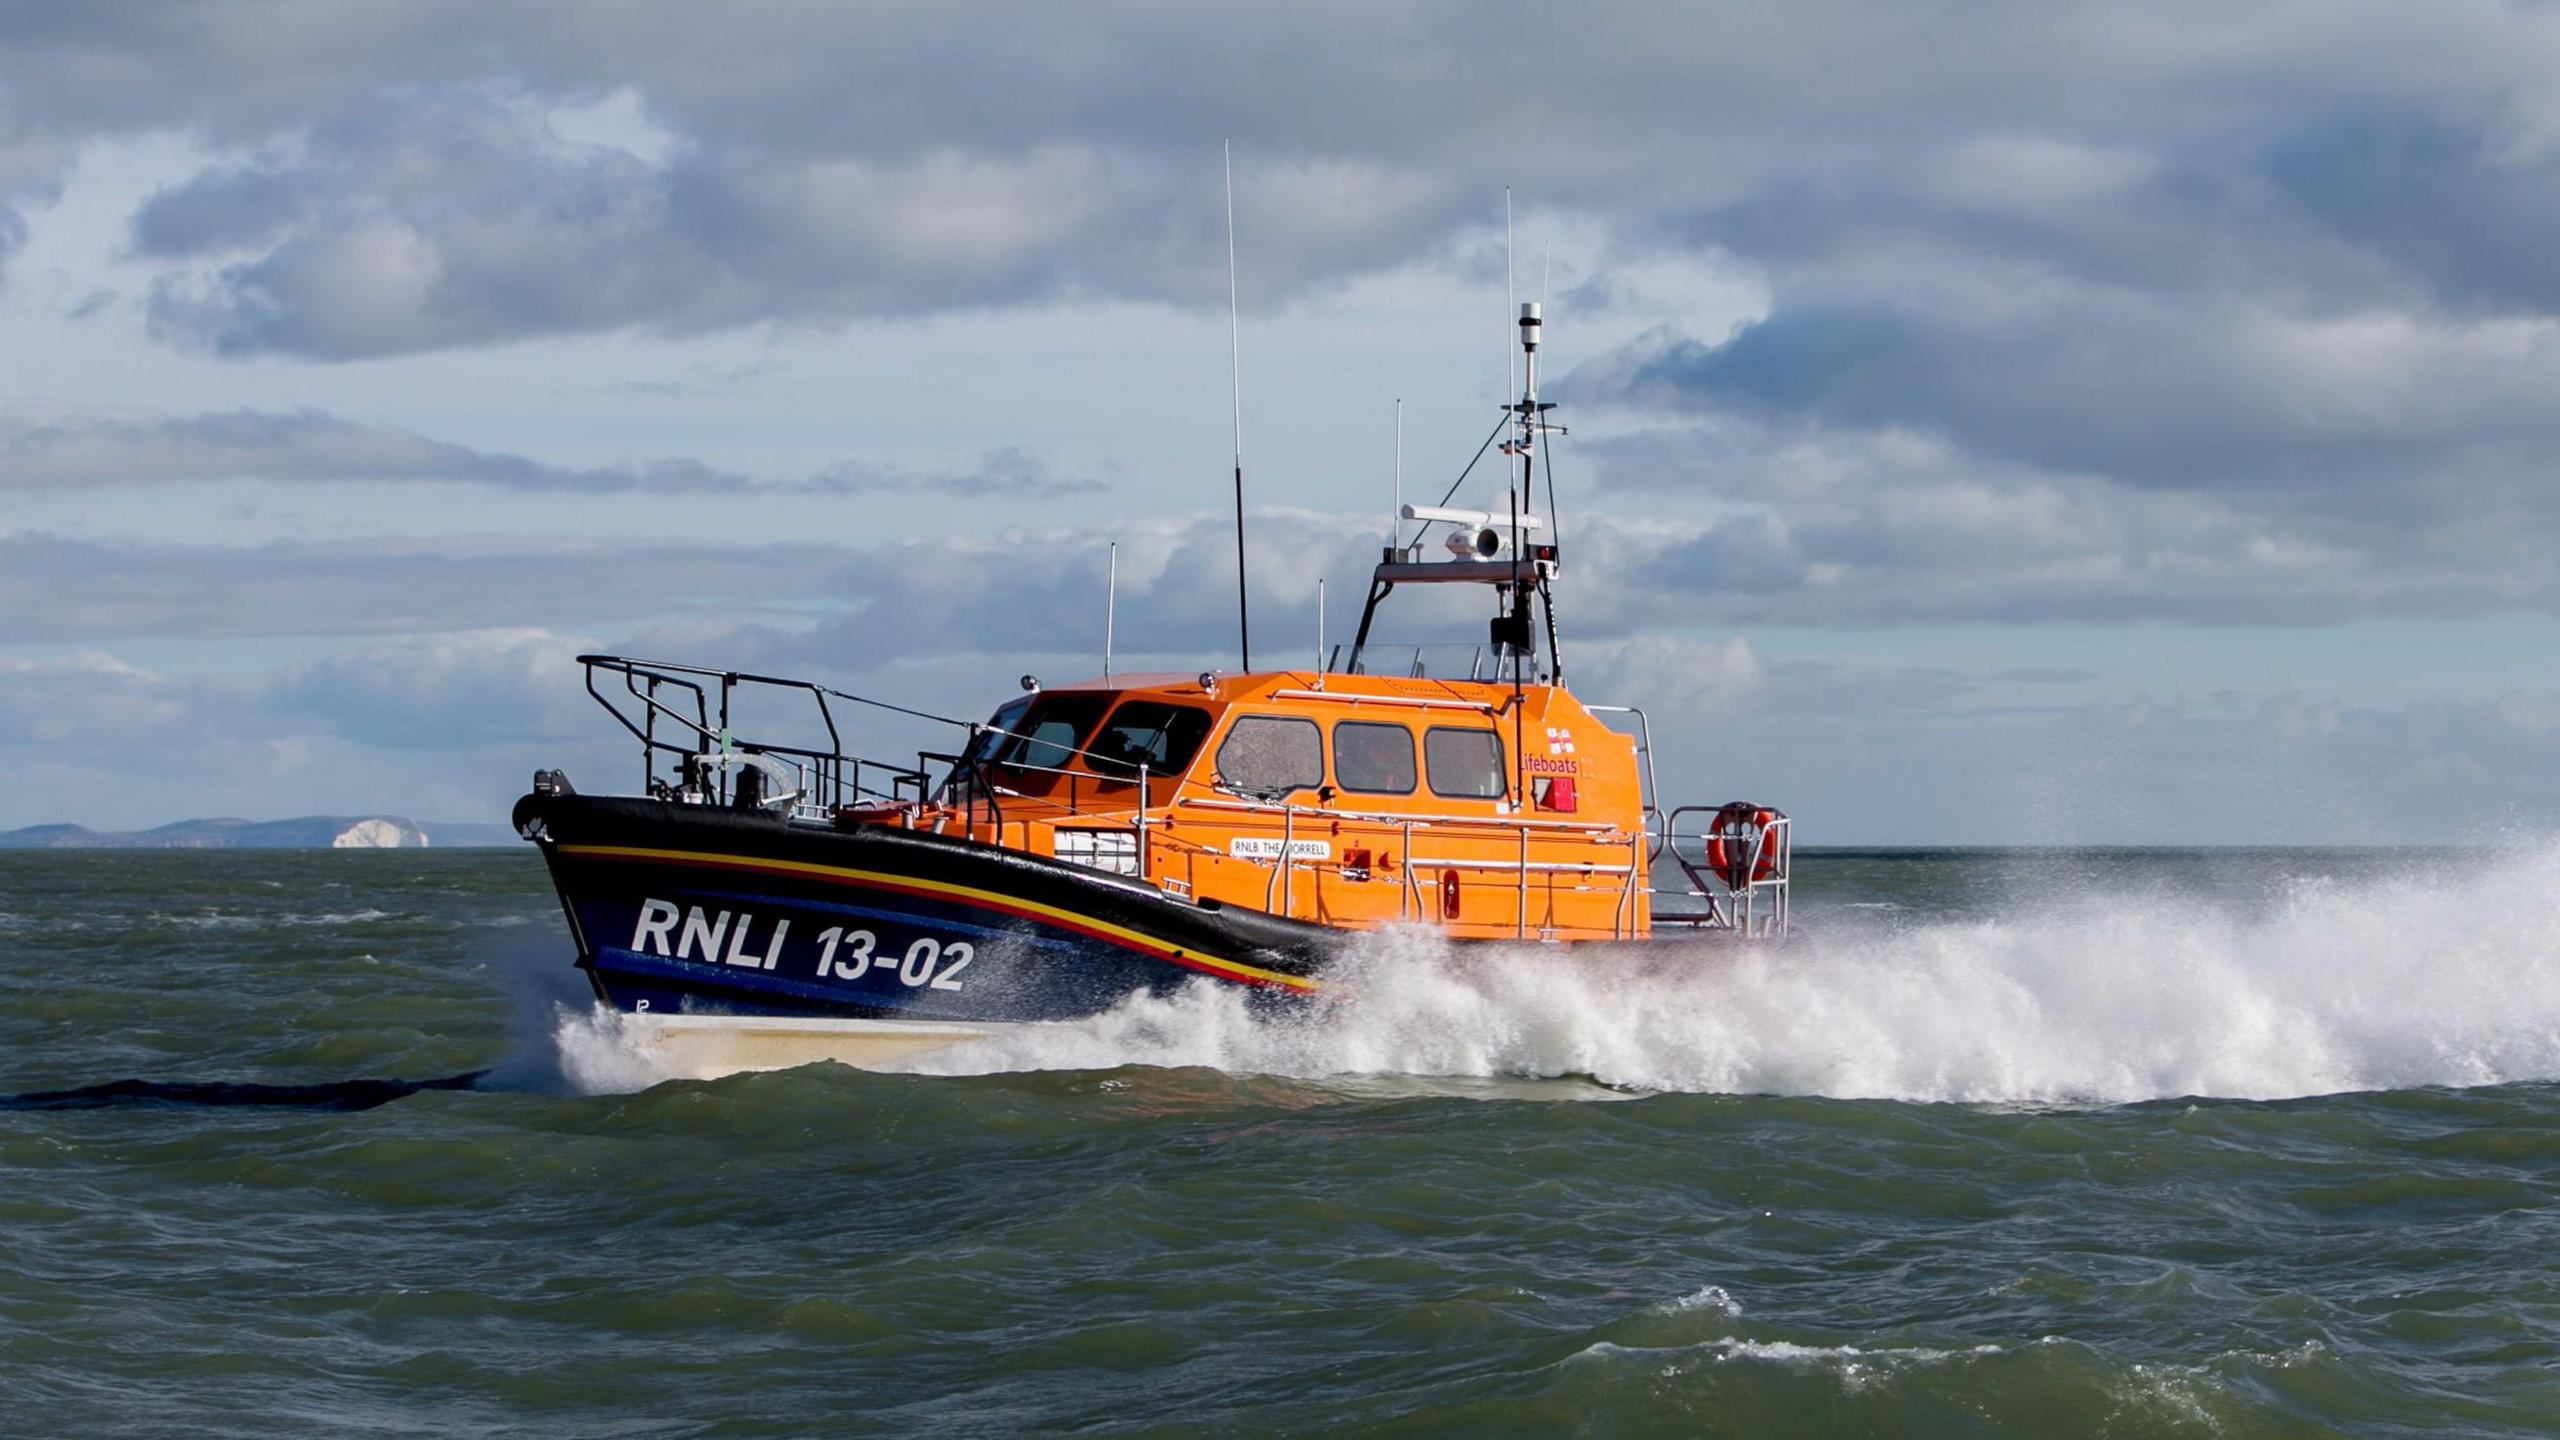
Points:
(1742, 844)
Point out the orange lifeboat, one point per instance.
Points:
(1110, 838)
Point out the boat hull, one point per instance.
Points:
(872, 939)
(705, 1047)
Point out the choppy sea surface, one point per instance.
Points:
(2005, 1143)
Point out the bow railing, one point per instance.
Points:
(683, 714)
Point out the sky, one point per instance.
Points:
(2041, 423)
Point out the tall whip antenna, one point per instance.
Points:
(1110, 608)
(1395, 517)
(1235, 375)
(1510, 305)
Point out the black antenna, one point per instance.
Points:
(1235, 376)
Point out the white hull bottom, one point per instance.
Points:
(705, 1047)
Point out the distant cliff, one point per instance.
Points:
(309, 832)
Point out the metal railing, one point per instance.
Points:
(1279, 897)
(1644, 757)
(1436, 660)
(683, 712)
(1747, 893)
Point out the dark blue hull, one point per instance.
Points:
(698, 911)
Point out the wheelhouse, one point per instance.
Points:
(1348, 800)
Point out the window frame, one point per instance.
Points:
(996, 734)
(1501, 763)
(1111, 769)
(1412, 758)
(1218, 758)
(1010, 756)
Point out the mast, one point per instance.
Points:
(1525, 650)
(1522, 577)
(1510, 293)
(1514, 628)
(1110, 607)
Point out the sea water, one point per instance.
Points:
(2032, 1143)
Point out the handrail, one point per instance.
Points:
(674, 667)
(1394, 817)
(1533, 867)
(1644, 753)
(822, 780)
(1345, 698)
(829, 776)
(1774, 844)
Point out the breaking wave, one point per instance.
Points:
(593, 1051)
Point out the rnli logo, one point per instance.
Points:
(1559, 742)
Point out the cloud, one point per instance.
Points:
(2470, 205)
(501, 226)
(51, 446)
(1006, 473)
(1893, 534)
(59, 590)
(32, 165)
(1821, 524)
(2179, 308)
(449, 690)
(1937, 756)
(427, 176)
(441, 728)
(2173, 313)
(2147, 389)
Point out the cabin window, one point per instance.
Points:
(1373, 759)
(1149, 733)
(1053, 731)
(1463, 764)
(1271, 755)
(998, 729)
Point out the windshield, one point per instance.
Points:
(1050, 734)
(998, 728)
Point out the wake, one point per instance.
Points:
(366, 1094)
(2449, 977)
